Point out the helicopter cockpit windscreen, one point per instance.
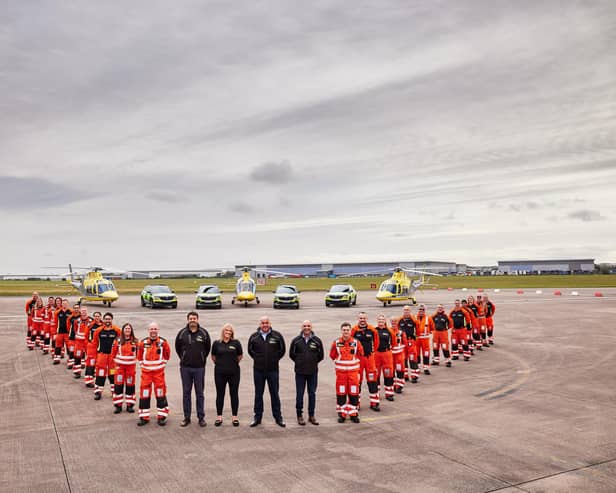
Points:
(105, 286)
(390, 287)
(245, 286)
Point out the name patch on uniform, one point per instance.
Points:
(232, 347)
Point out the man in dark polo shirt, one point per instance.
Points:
(192, 344)
(266, 347)
(306, 350)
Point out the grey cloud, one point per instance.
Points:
(586, 215)
(36, 193)
(272, 172)
(242, 208)
(160, 196)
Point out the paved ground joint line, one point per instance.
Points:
(55, 429)
(475, 469)
(581, 468)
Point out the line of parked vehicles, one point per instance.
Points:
(210, 296)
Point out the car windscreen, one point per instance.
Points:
(340, 288)
(161, 289)
(209, 290)
(285, 290)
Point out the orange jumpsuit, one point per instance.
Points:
(459, 335)
(53, 329)
(398, 351)
(47, 328)
(38, 326)
(104, 337)
(440, 337)
(424, 329)
(481, 319)
(490, 310)
(30, 304)
(70, 344)
(79, 328)
(408, 326)
(90, 354)
(476, 341)
(125, 360)
(369, 340)
(346, 356)
(62, 328)
(384, 361)
(153, 356)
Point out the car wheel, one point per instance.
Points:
(233, 301)
(297, 306)
(142, 302)
(355, 301)
(275, 305)
(219, 306)
(175, 305)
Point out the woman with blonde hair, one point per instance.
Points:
(226, 355)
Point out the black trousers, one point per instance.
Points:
(221, 381)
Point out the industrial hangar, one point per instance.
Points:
(573, 266)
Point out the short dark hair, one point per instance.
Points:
(108, 314)
(192, 313)
(345, 324)
(96, 313)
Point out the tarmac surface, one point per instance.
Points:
(535, 412)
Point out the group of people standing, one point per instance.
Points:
(392, 352)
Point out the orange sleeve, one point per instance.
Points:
(377, 339)
(431, 324)
(332, 351)
(114, 349)
(360, 351)
(450, 321)
(493, 308)
(140, 349)
(166, 350)
(95, 338)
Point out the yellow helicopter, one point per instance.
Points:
(92, 286)
(245, 289)
(400, 287)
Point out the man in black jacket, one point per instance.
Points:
(307, 351)
(266, 347)
(193, 347)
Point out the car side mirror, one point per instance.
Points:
(274, 292)
(221, 291)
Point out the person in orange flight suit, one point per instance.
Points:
(70, 344)
(30, 304)
(104, 337)
(459, 342)
(38, 324)
(124, 354)
(91, 350)
(408, 325)
(383, 357)
(490, 310)
(62, 317)
(424, 329)
(346, 351)
(53, 325)
(369, 340)
(442, 324)
(469, 326)
(153, 353)
(79, 329)
(398, 351)
(481, 318)
(46, 339)
(473, 307)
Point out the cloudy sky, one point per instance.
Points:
(142, 135)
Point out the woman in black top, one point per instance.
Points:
(226, 355)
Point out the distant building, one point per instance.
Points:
(573, 266)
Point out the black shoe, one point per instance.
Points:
(355, 419)
(130, 409)
(390, 398)
(313, 420)
(341, 419)
(376, 408)
(162, 421)
(97, 396)
(255, 422)
(56, 362)
(185, 422)
(454, 357)
(406, 379)
(398, 390)
(426, 372)
(117, 410)
(301, 421)
(491, 343)
(466, 358)
(414, 380)
(280, 422)
(143, 422)
(77, 375)
(448, 364)
(479, 348)
(202, 423)
(90, 385)
(236, 422)
(218, 422)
